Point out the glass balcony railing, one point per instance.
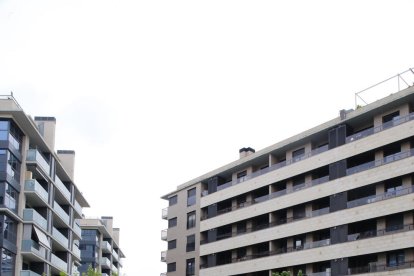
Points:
(58, 262)
(164, 234)
(106, 247)
(77, 229)
(163, 274)
(163, 256)
(115, 255)
(76, 251)
(60, 237)
(114, 269)
(30, 246)
(28, 273)
(33, 186)
(164, 213)
(78, 208)
(30, 215)
(61, 213)
(105, 262)
(62, 188)
(34, 155)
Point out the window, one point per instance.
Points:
(8, 227)
(171, 267)
(191, 220)
(190, 243)
(298, 153)
(242, 176)
(172, 222)
(190, 268)
(172, 244)
(8, 196)
(390, 117)
(172, 200)
(395, 258)
(191, 197)
(7, 263)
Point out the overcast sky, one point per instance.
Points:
(151, 94)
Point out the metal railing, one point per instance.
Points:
(375, 267)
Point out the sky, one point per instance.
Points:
(151, 94)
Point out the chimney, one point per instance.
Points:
(246, 152)
(116, 235)
(67, 158)
(109, 221)
(46, 127)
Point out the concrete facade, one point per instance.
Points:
(337, 199)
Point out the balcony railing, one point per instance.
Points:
(375, 267)
(77, 229)
(115, 255)
(114, 269)
(317, 151)
(105, 262)
(58, 262)
(164, 213)
(60, 237)
(30, 246)
(76, 251)
(34, 155)
(356, 169)
(30, 215)
(62, 214)
(28, 273)
(33, 186)
(163, 274)
(163, 256)
(321, 243)
(106, 247)
(78, 208)
(164, 234)
(62, 188)
(316, 213)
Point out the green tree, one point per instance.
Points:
(286, 273)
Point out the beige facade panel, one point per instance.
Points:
(353, 181)
(371, 142)
(362, 247)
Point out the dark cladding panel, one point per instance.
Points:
(332, 138)
(212, 235)
(213, 182)
(212, 210)
(339, 266)
(338, 201)
(211, 260)
(339, 234)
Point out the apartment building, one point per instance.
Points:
(336, 199)
(100, 246)
(39, 201)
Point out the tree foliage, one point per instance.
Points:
(286, 273)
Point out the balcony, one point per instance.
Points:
(378, 267)
(60, 238)
(115, 255)
(62, 188)
(30, 246)
(78, 208)
(163, 274)
(114, 269)
(106, 247)
(105, 263)
(30, 215)
(61, 213)
(164, 213)
(28, 273)
(76, 251)
(59, 263)
(35, 156)
(164, 234)
(36, 192)
(163, 256)
(77, 230)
